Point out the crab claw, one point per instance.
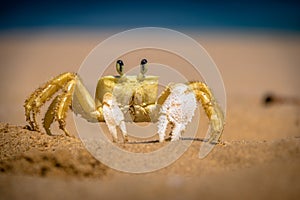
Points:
(113, 116)
(178, 109)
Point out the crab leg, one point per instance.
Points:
(41, 95)
(74, 96)
(212, 110)
(84, 104)
(74, 93)
(59, 108)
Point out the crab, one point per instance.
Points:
(121, 98)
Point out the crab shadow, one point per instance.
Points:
(169, 140)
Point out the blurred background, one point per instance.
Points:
(217, 14)
(255, 44)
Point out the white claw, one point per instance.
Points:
(176, 132)
(113, 116)
(178, 109)
(162, 126)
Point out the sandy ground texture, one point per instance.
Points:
(260, 158)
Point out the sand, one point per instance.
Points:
(260, 158)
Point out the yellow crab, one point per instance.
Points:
(121, 99)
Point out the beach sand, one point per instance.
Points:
(260, 158)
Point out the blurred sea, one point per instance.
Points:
(215, 14)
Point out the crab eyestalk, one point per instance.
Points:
(120, 67)
(143, 70)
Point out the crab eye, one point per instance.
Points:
(119, 67)
(143, 66)
(144, 61)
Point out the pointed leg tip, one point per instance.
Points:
(115, 140)
(161, 140)
(28, 127)
(67, 133)
(125, 139)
